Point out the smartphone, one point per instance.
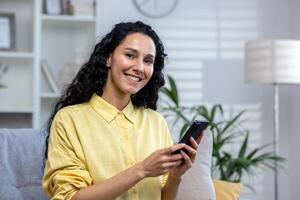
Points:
(195, 130)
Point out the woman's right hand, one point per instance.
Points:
(162, 161)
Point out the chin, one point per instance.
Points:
(132, 92)
(132, 89)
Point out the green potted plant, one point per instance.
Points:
(227, 165)
(3, 70)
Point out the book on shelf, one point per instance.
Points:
(49, 76)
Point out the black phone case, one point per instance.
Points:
(195, 130)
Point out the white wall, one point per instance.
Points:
(223, 79)
(293, 137)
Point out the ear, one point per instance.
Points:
(108, 61)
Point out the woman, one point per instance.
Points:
(106, 140)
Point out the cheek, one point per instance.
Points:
(120, 64)
(148, 72)
(124, 63)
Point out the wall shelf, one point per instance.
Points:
(68, 18)
(16, 55)
(16, 110)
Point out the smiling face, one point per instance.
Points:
(130, 66)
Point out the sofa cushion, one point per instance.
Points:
(21, 164)
(196, 182)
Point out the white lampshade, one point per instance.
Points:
(273, 61)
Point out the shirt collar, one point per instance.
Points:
(108, 111)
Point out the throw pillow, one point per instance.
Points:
(197, 183)
(226, 190)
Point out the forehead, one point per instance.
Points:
(140, 42)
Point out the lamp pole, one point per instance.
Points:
(276, 137)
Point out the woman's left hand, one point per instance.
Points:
(189, 156)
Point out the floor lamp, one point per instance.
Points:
(273, 62)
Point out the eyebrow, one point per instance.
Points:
(136, 51)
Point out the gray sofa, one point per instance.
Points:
(21, 164)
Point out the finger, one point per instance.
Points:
(170, 158)
(190, 150)
(174, 157)
(187, 159)
(195, 146)
(194, 143)
(172, 164)
(173, 148)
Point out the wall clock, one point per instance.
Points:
(155, 8)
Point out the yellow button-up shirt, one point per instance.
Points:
(93, 141)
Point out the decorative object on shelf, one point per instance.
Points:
(273, 62)
(67, 74)
(69, 8)
(84, 7)
(7, 31)
(3, 70)
(155, 8)
(53, 7)
(49, 76)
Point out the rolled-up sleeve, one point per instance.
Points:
(65, 172)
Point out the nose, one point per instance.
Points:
(139, 66)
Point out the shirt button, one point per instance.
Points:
(134, 190)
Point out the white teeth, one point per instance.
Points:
(133, 78)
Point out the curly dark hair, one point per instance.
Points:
(92, 75)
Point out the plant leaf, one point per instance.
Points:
(214, 110)
(244, 147)
(174, 90)
(231, 122)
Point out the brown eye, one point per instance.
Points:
(130, 56)
(149, 61)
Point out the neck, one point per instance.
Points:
(117, 100)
